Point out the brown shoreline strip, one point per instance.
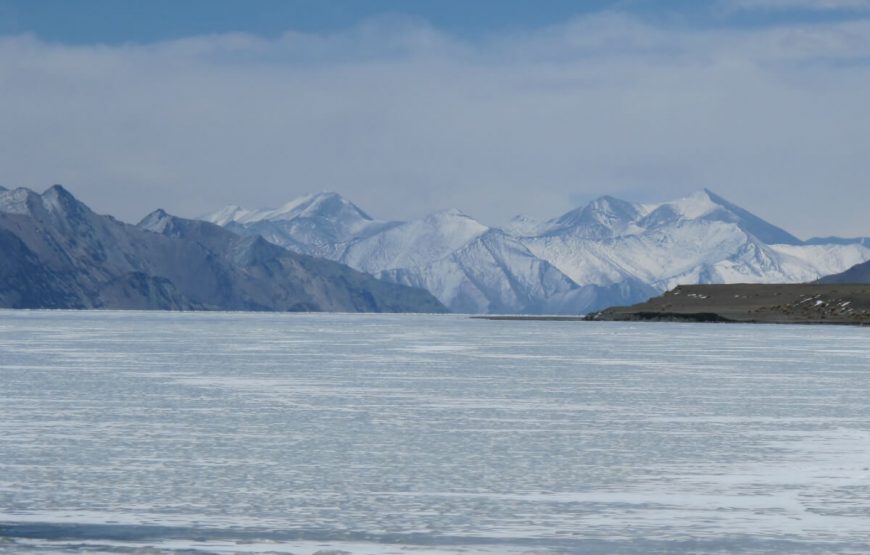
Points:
(798, 303)
(533, 318)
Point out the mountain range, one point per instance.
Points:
(609, 252)
(55, 252)
(322, 252)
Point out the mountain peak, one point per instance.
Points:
(58, 189)
(56, 203)
(695, 205)
(156, 221)
(749, 222)
(607, 200)
(19, 201)
(606, 216)
(205, 233)
(324, 205)
(227, 214)
(705, 205)
(57, 197)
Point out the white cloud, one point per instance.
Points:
(404, 119)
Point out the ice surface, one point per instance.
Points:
(239, 433)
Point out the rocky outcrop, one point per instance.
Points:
(755, 303)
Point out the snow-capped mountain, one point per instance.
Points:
(608, 252)
(321, 225)
(413, 244)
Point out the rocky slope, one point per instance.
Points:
(752, 303)
(57, 253)
(859, 273)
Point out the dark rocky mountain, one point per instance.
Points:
(57, 253)
(859, 273)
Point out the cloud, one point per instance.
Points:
(404, 119)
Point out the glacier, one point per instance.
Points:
(608, 252)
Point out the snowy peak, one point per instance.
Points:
(227, 214)
(697, 205)
(156, 221)
(605, 210)
(19, 201)
(58, 199)
(320, 205)
(319, 224)
(749, 222)
(164, 223)
(709, 207)
(609, 217)
(55, 203)
(603, 217)
(326, 206)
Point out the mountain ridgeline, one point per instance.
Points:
(609, 252)
(57, 253)
(859, 273)
(322, 253)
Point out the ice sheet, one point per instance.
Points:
(223, 433)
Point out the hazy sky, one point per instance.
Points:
(406, 107)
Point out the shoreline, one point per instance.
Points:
(803, 303)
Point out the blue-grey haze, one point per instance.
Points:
(409, 107)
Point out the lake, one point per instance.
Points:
(418, 434)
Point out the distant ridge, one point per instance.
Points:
(57, 253)
(859, 273)
(865, 241)
(749, 222)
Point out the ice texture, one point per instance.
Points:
(389, 434)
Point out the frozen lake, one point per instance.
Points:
(398, 434)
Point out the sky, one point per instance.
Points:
(406, 107)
